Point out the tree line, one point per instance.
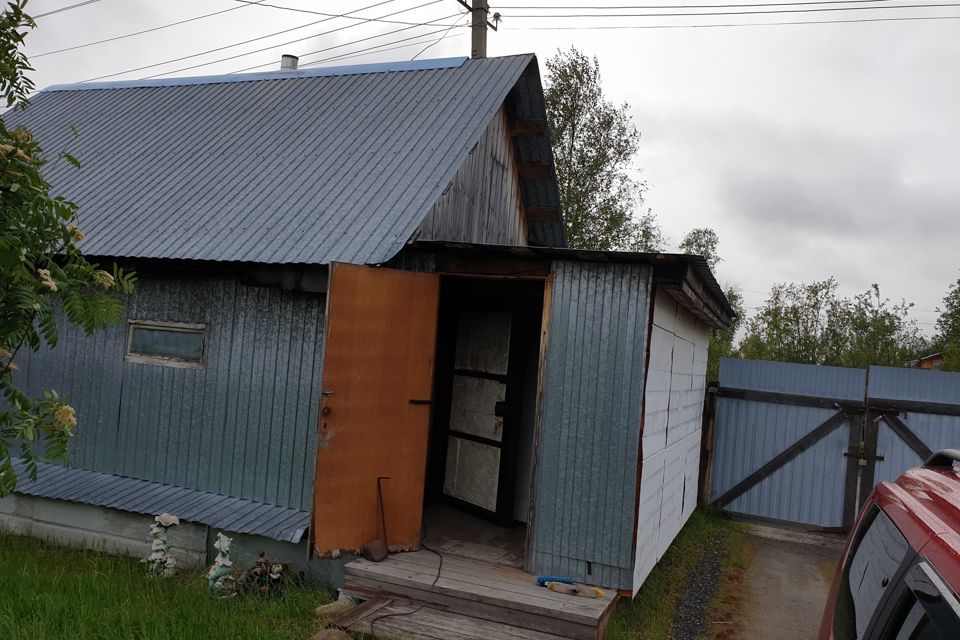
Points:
(594, 142)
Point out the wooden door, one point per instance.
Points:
(375, 409)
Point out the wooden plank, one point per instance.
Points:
(458, 264)
(362, 610)
(361, 587)
(785, 456)
(509, 579)
(539, 600)
(535, 170)
(412, 619)
(575, 611)
(379, 348)
(908, 436)
(537, 214)
(915, 406)
(793, 399)
(528, 127)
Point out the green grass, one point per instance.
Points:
(649, 616)
(48, 591)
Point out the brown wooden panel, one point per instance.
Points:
(380, 341)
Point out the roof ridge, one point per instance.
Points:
(318, 72)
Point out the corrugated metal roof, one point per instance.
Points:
(140, 496)
(314, 168)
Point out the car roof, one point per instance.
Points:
(924, 503)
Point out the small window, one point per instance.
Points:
(867, 576)
(174, 344)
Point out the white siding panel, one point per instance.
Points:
(673, 408)
(648, 521)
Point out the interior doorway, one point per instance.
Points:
(480, 467)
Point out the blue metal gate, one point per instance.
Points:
(806, 444)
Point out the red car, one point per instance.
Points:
(900, 573)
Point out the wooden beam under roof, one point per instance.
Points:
(542, 213)
(528, 127)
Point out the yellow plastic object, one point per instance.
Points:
(575, 589)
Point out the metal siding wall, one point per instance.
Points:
(590, 423)
(937, 431)
(808, 489)
(242, 426)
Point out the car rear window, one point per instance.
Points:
(868, 575)
(916, 625)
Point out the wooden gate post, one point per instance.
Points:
(854, 475)
(706, 444)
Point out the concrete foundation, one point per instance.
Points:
(120, 532)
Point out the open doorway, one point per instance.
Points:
(480, 466)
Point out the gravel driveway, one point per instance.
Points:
(787, 583)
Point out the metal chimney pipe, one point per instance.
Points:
(288, 62)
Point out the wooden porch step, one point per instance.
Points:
(400, 619)
(480, 590)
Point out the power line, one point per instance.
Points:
(733, 24)
(411, 41)
(729, 13)
(680, 6)
(321, 13)
(67, 8)
(282, 44)
(437, 41)
(256, 39)
(137, 33)
(347, 44)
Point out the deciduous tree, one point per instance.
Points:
(594, 142)
(948, 328)
(43, 275)
(702, 241)
(812, 324)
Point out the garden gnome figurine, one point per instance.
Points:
(161, 562)
(219, 579)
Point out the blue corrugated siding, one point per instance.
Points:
(937, 431)
(807, 489)
(590, 423)
(922, 385)
(790, 377)
(748, 434)
(139, 496)
(243, 426)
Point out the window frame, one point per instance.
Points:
(920, 584)
(166, 361)
(880, 616)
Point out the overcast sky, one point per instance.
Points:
(813, 150)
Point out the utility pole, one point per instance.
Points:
(479, 10)
(478, 29)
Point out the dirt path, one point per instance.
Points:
(786, 584)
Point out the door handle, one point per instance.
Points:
(421, 401)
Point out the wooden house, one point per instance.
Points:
(356, 319)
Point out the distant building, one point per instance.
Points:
(932, 361)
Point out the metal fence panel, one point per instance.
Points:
(890, 387)
(750, 433)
